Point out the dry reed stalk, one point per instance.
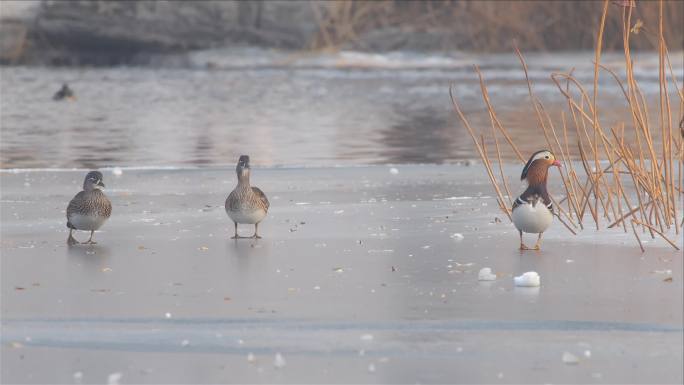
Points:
(659, 233)
(499, 199)
(636, 235)
(494, 118)
(480, 151)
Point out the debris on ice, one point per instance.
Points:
(457, 236)
(529, 279)
(570, 359)
(279, 361)
(114, 378)
(486, 274)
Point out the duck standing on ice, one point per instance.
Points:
(246, 204)
(532, 210)
(89, 209)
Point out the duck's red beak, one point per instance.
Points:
(556, 163)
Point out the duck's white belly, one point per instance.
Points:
(247, 216)
(529, 219)
(87, 222)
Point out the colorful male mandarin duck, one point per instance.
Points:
(533, 210)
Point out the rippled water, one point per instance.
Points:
(310, 110)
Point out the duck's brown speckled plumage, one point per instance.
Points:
(245, 197)
(90, 203)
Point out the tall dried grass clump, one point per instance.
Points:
(629, 173)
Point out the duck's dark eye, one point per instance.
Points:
(547, 157)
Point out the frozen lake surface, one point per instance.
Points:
(359, 278)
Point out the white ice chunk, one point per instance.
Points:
(394, 171)
(117, 171)
(251, 358)
(486, 274)
(457, 236)
(367, 337)
(114, 378)
(185, 343)
(529, 279)
(279, 361)
(371, 368)
(587, 353)
(167, 315)
(570, 359)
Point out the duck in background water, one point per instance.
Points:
(64, 93)
(246, 204)
(532, 210)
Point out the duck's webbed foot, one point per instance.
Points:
(71, 240)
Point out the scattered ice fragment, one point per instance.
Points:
(367, 337)
(338, 211)
(167, 315)
(667, 271)
(114, 378)
(279, 361)
(371, 368)
(317, 288)
(117, 171)
(251, 358)
(529, 279)
(570, 359)
(78, 376)
(457, 236)
(185, 343)
(587, 353)
(485, 274)
(394, 171)
(569, 260)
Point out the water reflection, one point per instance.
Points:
(331, 116)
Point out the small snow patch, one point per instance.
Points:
(114, 378)
(570, 359)
(279, 361)
(486, 274)
(529, 279)
(457, 236)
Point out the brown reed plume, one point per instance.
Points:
(629, 172)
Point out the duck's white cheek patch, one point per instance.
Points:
(530, 219)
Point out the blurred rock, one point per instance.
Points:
(111, 33)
